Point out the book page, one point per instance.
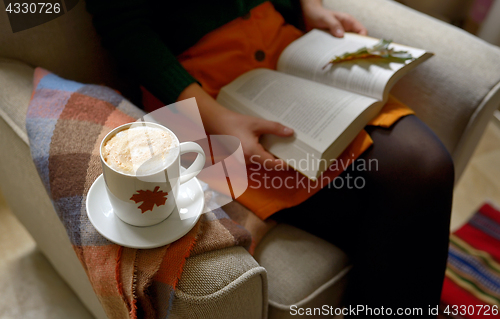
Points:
(319, 114)
(307, 56)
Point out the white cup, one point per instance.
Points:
(148, 199)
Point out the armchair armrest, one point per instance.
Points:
(225, 283)
(456, 91)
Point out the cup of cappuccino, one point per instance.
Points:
(142, 171)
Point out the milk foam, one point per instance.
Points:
(140, 150)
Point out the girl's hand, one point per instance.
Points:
(317, 16)
(248, 129)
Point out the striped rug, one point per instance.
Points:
(472, 284)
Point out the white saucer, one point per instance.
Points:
(190, 204)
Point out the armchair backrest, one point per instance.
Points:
(68, 46)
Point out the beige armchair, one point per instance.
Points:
(455, 93)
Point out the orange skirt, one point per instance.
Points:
(256, 41)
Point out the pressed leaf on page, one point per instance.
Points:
(379, 50)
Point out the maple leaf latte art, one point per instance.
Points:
(140, 150)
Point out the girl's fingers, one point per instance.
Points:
(270, 127)
(350, 24)
(334, 26)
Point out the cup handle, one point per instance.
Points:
(198, 164)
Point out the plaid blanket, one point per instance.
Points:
(66, 122)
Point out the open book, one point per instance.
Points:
(327, 107)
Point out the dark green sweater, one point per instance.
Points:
(146, 36)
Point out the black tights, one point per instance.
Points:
(396, 228)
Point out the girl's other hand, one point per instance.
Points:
(317, 16)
